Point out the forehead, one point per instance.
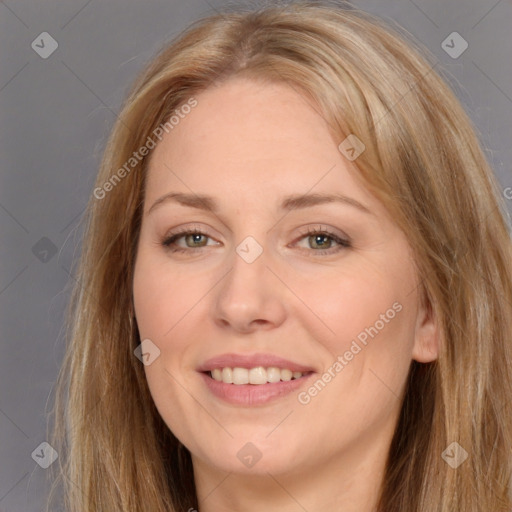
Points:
(255, 141)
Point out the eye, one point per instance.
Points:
(193, 239)
(321, 241)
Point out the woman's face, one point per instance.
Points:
(276, 277)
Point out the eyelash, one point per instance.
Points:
(173, 237)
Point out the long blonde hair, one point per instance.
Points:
(422, 160)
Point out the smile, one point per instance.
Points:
(249, 380)
(258, 375)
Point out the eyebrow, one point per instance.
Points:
(292, 202)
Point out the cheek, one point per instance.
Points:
(163, 298)
(366, 316)
(368, 354)
(348, 304)
(164, 306)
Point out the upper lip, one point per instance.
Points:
(251, 361)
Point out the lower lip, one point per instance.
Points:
(253, 394)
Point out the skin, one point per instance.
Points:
(248, 145)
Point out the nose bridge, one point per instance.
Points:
(249, 295)
(248, 274)
(250, 250)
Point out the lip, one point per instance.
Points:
(252, 361)
(252, 394)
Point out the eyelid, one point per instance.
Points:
(341, 239)
(322, 228)
(183, 231)
(187, 228)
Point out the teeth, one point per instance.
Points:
(286, 375)
(240, 376)
(273, 374)
(258, 375)
(227, 375)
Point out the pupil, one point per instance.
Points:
(318, 239)
(196, 237)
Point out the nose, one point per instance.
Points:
(250, 296)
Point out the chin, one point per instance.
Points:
(254, 455)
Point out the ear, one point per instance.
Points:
(426, 338)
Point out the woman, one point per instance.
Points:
(296, 289)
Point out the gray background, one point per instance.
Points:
(56, 114)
